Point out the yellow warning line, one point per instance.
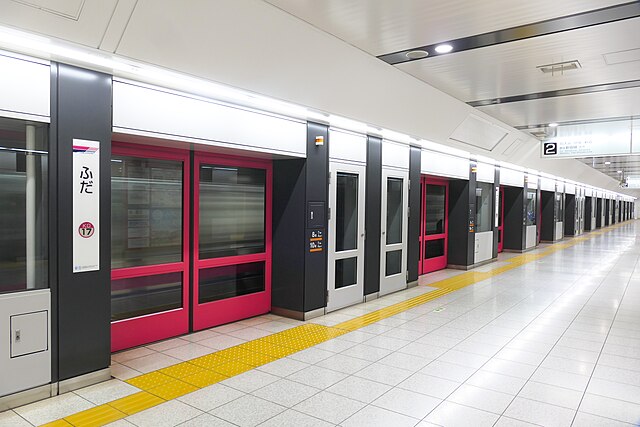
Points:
(177, 380)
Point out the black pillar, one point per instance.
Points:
(462, 220)
(570, 215)
(548, 228)
(588, 209)
(82, 110)
(496, 195)
(300, 188)
(514, 218)
(373, 218)
(413, 243)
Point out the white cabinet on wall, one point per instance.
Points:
(25, 88)
(150, 111)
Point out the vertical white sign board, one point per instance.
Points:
(86, 205)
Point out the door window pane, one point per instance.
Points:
(531, 207)
(346, 212)
(559, 211)
(230, 281)
(139, 296)
(484, 200)
(346, 272)
(232, 211)
(393, 262)
(146, 211)
(23, 206)
(435, 209)
(433, 248)
(394, 210)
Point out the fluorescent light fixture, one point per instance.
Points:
(607, 163)
(619, 171)
(444, 48)
(552, 125)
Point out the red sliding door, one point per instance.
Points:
(434, 225)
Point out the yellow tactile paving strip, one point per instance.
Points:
(177, 380)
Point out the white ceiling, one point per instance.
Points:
(255, 45)
(510, 68)
(385, 26)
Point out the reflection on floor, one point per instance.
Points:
(547, 338)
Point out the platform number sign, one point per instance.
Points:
(550, 148)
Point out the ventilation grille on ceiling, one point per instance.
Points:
(540, 134)
(560, 67)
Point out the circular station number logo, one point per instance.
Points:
(86, 230)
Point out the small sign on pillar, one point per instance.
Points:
(86, 205)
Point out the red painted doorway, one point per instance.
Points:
(156, 240)
(434, 224)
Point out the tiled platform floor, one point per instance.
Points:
(555, 341)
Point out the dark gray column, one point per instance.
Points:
(462, 219)
(300, 187)
(514, 217)
(588, 209)
(570, 215)
(548, 228)
(373, 215)
(413, 246)
(82, 110)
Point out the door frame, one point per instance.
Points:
(170, 323)
(439, 263)
(213, 313)
(352, 294)
(398, 281)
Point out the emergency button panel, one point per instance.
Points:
(29, 333)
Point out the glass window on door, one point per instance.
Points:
(146, 230)
(531, 211)
(484, 203)
(435, 209)
(23, 206)
(146, 211)
(559, 202)
(232, 211)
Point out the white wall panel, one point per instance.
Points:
(560, 186)
(485, 172)
(588, 192)
(547, 184)
(559, 230)
(439, 164)
(483, 246)
(530, 236)
(25, 89)
(163, 114)
(395, 155)
(532, 181)
(347, 146)
(570, 188)
(511, 177)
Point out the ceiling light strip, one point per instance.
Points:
(630, 84)
(536, 29)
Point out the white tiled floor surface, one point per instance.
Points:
(555, 342)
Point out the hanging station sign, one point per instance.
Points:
(86, 205)
(593, 139)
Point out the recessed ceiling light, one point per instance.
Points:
(417, 54)
(444, 48)
(607, 163)
(552, 125)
